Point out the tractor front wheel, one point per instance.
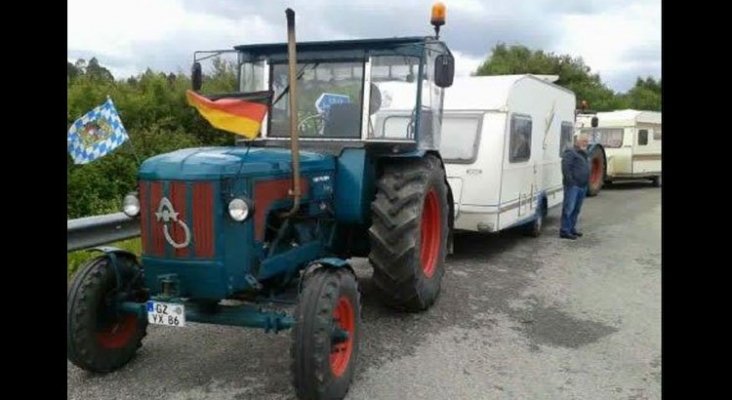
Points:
(409, 233)
(325, 336)
(99, 337)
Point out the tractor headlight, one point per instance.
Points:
(239, 209)
(131, 205)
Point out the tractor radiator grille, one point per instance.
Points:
(182, 226)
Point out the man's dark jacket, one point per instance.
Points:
(575, 167)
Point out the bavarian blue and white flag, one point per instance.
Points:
(96, 134)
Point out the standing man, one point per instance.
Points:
(576, 172)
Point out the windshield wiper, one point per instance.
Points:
(299, 75)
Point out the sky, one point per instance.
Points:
(619, 39)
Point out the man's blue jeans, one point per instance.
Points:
(573, 198)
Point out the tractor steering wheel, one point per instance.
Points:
(312, 123)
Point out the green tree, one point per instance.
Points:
(72, 72)
(96, 71)
(157, 117)
(573, 73)
(222, 78)
(645, 95)
(80, 64)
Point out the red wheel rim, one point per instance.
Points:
(596, 171)
(340, 353)
(431, 233)
(118, 333)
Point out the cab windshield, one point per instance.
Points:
(329, 99)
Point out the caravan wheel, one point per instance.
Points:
(656, 181)
(534, 227)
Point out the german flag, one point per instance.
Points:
(240, 113)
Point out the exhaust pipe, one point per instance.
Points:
(294, 134)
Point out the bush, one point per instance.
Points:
(154, 111)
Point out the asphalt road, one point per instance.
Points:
(518, 318)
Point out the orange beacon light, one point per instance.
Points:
(438, 17)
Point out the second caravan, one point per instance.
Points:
(502, 139)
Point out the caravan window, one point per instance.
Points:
(611, 138)
(643, 137)
(657, 134)
(459, 142)
(565, 141)
(520, 142)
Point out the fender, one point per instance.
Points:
(542, 207)
(450, 198)
(542, 204)
(331, 262)
(325, 262)
(450, 205)
(112, 253)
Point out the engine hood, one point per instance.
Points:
(204, 163)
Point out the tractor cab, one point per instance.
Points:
(378, 93)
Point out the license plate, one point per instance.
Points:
(168, 314)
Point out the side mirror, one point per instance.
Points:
(196, 76)
(594, 122)
(444, 70)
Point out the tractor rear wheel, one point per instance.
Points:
(597, 171)
(99, 338)
(409, 233)
(323, 359)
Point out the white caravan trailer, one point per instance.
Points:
(502, 139)
(631, 140)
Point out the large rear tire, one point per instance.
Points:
(323, 365)
(597, 171)
(409, 233)
(99, 338)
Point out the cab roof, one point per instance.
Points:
(335, 45)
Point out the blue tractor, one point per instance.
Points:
(346, 165)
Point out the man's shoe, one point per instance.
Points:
(578, 234)
(567, 236)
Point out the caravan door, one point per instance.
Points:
(519, 172)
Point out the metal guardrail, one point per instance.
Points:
(83, 233)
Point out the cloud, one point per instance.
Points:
(616, 38)
(610, 41)
(465, 65)
(160, 34)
